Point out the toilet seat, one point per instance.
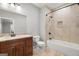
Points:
(40, 42)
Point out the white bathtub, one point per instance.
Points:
(69, 49)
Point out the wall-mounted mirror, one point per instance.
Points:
(12, 22)
(6, 26)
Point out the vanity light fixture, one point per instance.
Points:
(12, 4)
(18, 7)
(15, 5)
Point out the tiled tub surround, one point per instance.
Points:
(65, 24)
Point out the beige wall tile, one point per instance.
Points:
(68, 30)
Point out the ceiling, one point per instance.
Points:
(50, 5)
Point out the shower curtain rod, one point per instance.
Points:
(62, 8)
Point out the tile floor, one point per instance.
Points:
(47, 52)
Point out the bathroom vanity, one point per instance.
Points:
(20, 45)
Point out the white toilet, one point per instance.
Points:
(39, 43)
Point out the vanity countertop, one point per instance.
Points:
(6, 38)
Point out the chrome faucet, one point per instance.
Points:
(12, 34)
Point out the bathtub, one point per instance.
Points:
(69, 49)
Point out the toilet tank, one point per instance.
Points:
(36, 38)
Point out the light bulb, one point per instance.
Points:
(12, 5)
(18, 7)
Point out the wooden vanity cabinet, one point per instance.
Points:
(17, 47)
(29, 47)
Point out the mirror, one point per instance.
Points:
(6, 26)
(12, 22)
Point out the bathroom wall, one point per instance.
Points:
(43, 30)
(66, 23)
(33, 16)
(18, 19)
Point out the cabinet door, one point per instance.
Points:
(19, 51)
(11, 51)
(8, 51)
(29, 47)
(19, 47)
(29, 51)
